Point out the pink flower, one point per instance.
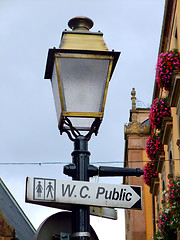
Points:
(166, 64)
(158, 110)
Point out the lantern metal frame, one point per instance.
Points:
(64, 124)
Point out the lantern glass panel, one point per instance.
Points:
(56, 94)
(82, 124)
(83, 82)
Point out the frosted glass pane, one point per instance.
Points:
(83, 83)
(56, 95)
(81, 123)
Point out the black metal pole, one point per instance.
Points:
(80, 213)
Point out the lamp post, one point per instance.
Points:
(80, 71)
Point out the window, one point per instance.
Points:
(163, 187)
(175, 35)
(171, 165)
(157, 202)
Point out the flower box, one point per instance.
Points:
(149, 173)
(153, 146)
(167, 63)
(159, 109)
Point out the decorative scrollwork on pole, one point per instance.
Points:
(73, 133)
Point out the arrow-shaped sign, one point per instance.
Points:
(59, 193)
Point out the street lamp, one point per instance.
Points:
(80, 71)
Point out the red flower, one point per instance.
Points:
(149, 172)
(166, 64)
(153, 145)
(158, 110)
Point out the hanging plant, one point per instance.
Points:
(158, 110)
(166, 230)
(173, 198)
(169, 219)
(166, 64)
(153, 145)
(149, 173)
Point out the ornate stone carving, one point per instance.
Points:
(136, 127)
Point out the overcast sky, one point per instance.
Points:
(28, 124)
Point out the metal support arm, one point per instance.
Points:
(104, 171)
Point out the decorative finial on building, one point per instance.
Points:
(133, 98)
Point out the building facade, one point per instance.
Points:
(166, 162)
(138, 222)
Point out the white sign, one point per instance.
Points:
(104, 212)
(40, 191)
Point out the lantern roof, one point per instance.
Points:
(81, 38)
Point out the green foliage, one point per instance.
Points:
(166, 230)
(169, 219)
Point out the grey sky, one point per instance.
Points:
(28, 125)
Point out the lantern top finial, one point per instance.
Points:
(80, 23)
